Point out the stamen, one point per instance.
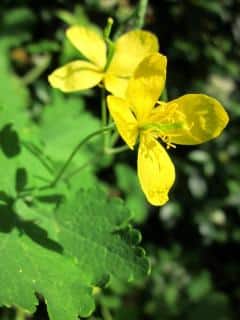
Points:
(166, 139)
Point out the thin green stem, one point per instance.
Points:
(95, 158)
(69, 160)
(116, 150)
(108, 28)
(107, 151)
(103, 107)
(20, 314)
(104, 116)
(106, 313)
(135, 18)
(41, 65)
(76, 149)
(110, 44)
(114, 138)
(141, 13)
(111, 50)
(37, 153)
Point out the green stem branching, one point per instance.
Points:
(69, 160)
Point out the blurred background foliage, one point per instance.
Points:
(194, 240)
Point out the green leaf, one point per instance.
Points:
(90, 220)
(19, 166)
(128, 182)
(32, 264)
(64, 123)
(14, 97)
(85, 243)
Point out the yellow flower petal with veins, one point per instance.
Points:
(124, 119)
(74, 76)
(200, 118)
(130, 49)
(155, 170)
(147, 84)
(89, 43)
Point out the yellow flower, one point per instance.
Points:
(130, 49)
(190, 119)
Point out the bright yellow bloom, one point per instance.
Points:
(130, 49)
(190, 119)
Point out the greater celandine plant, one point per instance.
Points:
(133, 71)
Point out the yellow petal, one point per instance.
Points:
(74, 76)
(130, 49)
(116, 85)
(155, 170)
(124, 119)
(147, 84)
(201, 118)
(89, 43)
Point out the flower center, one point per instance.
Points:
(164, 131)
